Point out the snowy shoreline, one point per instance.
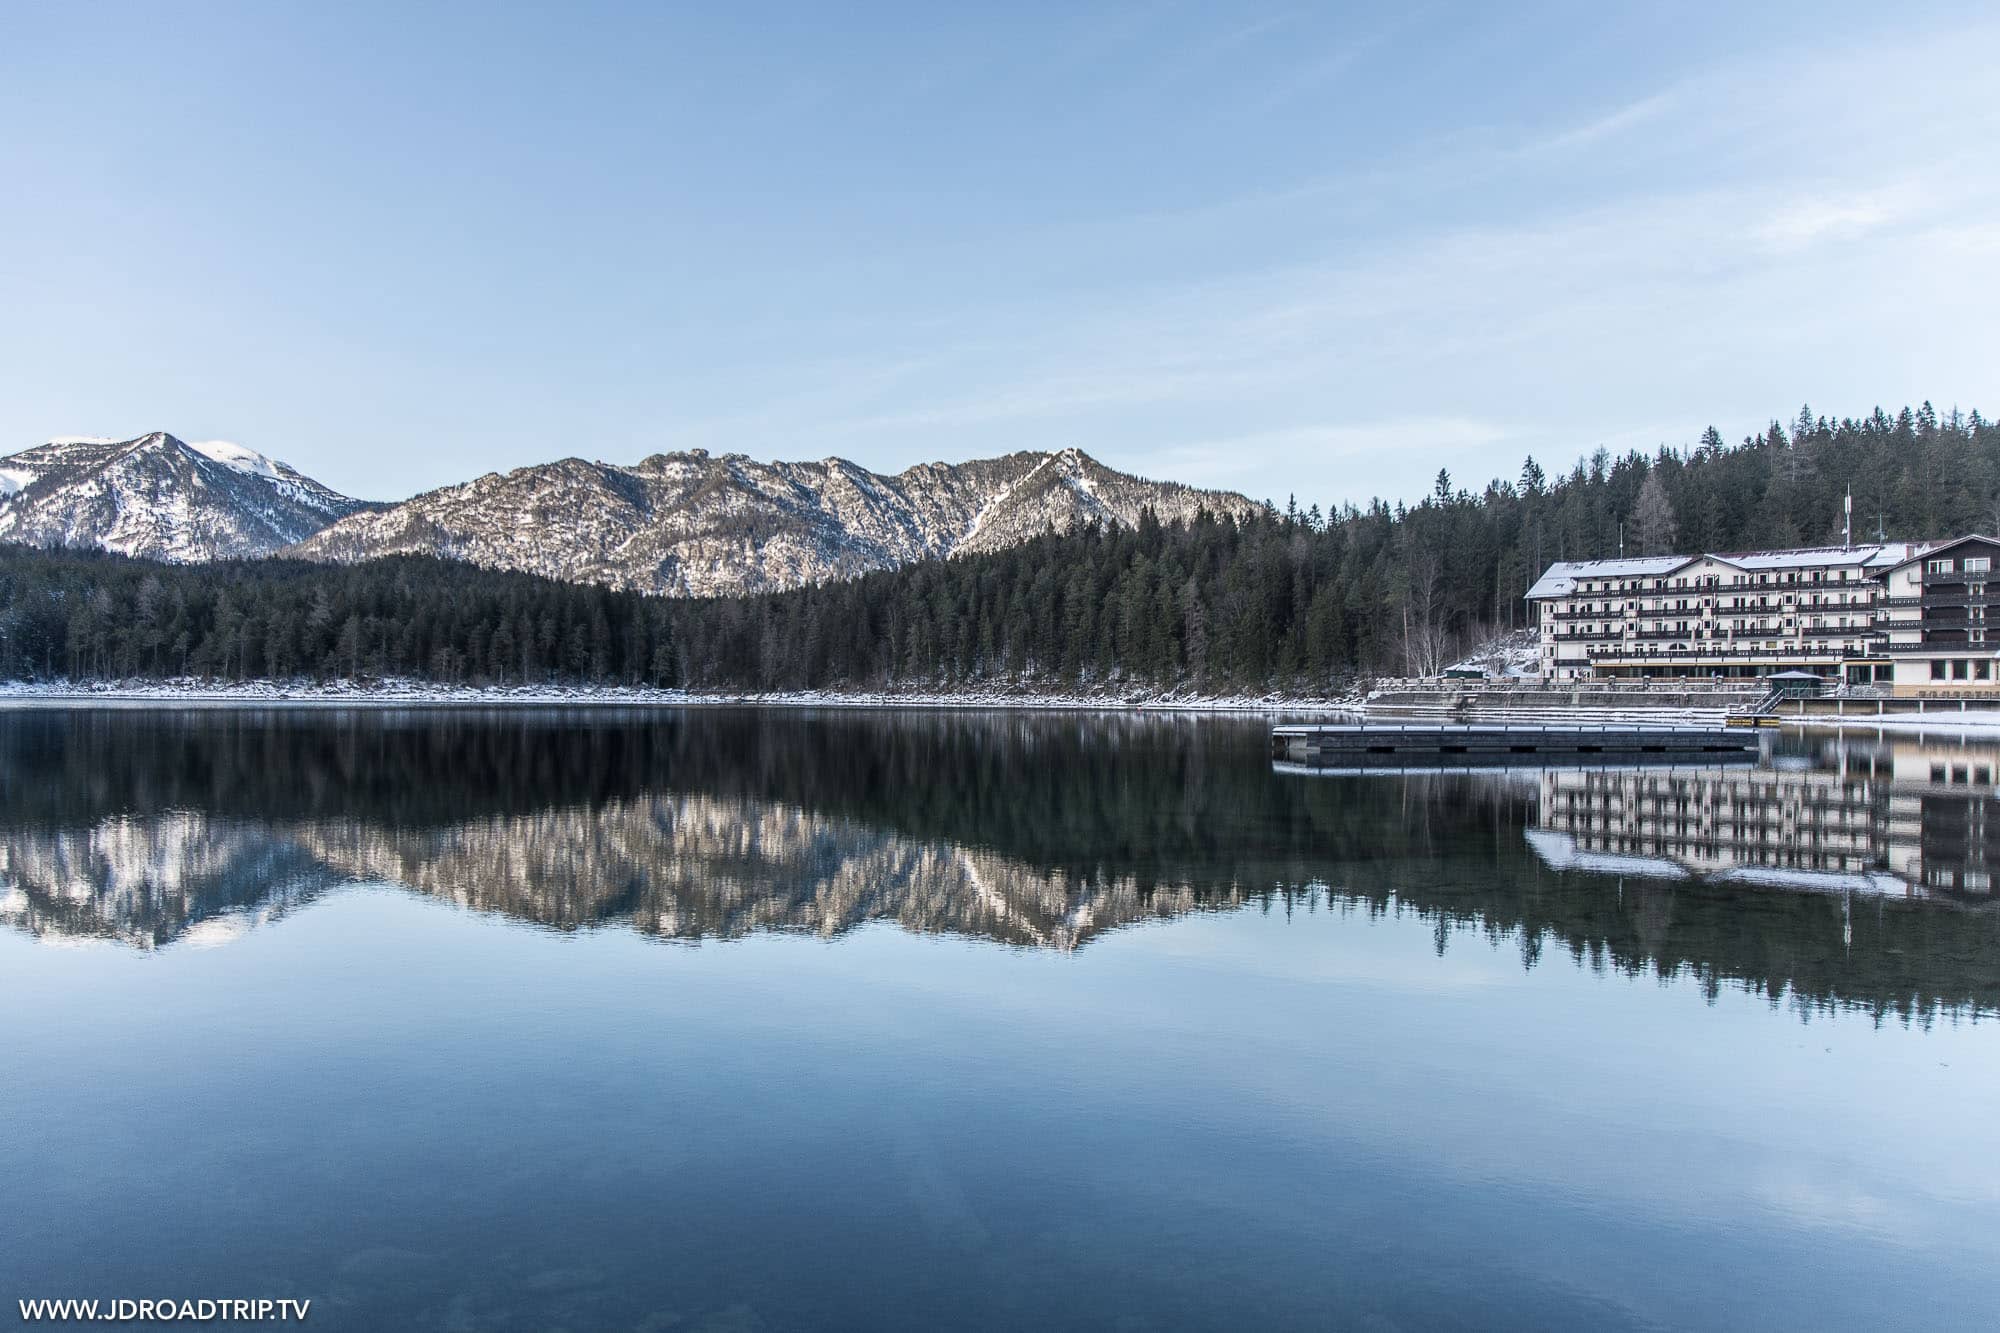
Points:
(1972, 721)
(193, 693)
(407, 693)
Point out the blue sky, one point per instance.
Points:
(1286, 249)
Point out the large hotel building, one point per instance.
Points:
(1906, 616)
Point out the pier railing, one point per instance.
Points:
(1608, 685)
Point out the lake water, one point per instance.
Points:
(779, 1020)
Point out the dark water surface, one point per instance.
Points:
(776, 1020)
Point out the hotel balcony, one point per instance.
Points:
(1722, 652)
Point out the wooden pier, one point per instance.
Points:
(1396, 745)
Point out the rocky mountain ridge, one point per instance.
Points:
(696, 524)
(682, 524)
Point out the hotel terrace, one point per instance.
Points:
(1909, 617)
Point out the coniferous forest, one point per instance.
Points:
(1298, 599)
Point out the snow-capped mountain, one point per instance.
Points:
(696, 525)
(161, 498)
(683, 524)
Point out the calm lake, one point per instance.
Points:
(784, 1020)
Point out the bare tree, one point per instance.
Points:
(1424, 639)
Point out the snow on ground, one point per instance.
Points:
(236, 456)
(414, 692)
(1510, 655)
(1941, 718)
(12, 479)
(395, 692)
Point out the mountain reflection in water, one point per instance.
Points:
(1032, 830)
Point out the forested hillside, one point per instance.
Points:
(1295, 599)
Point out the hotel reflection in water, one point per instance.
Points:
(1907, 818)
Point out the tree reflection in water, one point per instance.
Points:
(1844, 873)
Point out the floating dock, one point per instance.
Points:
(1397, 745)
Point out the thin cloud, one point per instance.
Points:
(1604, 127)
(1314, 76)
(1308, 448)
(1834, 217)
(1549, 316)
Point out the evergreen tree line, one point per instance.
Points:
(1298, 599)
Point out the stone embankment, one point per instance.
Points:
(1597, 703)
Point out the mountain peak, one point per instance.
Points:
(158, 497)
(235, 456)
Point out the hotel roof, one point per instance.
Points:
(1561, 578)
(1918, 551)
(1822, 557)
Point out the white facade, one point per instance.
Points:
(1748, 613)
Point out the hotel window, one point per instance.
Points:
(1937, 669)
(1959, 669)
(1978, 564)
(1983, 670)
(1940, 566)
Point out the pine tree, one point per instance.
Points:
(1267, 601)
